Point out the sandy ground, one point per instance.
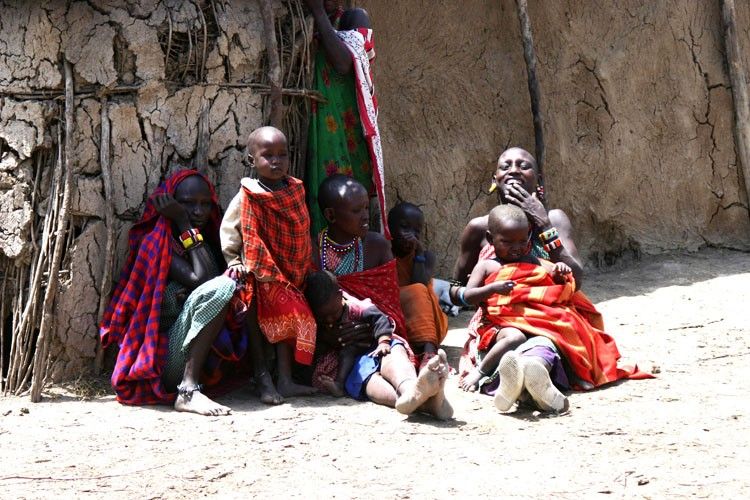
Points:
(684, 434)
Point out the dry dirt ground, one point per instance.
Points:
(683, 434)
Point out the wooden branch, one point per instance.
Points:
(529, 56)
(274, 64)
(50, 294)
(105, 287)
(737, 74)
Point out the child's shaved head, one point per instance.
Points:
(267, 134)
(335, 188)
(506, 213)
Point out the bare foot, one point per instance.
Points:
(426, 386)
(540, 386)
(289, 389)
(438, 406)
(197, 402)
(268, 393)
(470, 382)
(511, 381)
(333, 387)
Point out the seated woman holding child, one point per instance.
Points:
(364, 265)
(172, 313)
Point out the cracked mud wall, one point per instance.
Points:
(451, 84)
(166, 110)
(637, 106)
(639, 125)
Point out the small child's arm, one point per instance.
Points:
(560, 272)
(230, 234)
(477, 292)
(383, 328)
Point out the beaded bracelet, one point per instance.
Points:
(552, 245)
(549, 235)
(191, 238)
(420, 258)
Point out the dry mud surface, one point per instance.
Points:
(683, 434)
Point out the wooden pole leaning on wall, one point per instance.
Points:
(105, 288)
(737, 75)
(529, 56)
(274, 64)
(39, 373)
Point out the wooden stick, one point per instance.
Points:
(274, 65)
(533, 82)
(105, 288)
(737, 74)
(42, 347)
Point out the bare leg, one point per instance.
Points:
(380, 391)
(268, 393)
(287, 387)
(347, 357)
(438, 405)
(506, 339)
(428, 351)
(189, 398)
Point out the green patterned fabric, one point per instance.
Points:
(336, 142)
(201, 306)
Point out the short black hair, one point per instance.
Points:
(398, 211)
(333, 189)
(320, 286)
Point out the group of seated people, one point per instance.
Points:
(204, 299)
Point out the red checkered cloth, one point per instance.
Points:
(277, 251)
(132, 319)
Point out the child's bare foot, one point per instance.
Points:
(470, 382)
(540, 386)
(268, 393)
(511, 381)
(427, 385)
(194, 401)
(333, 387)
(289, 389)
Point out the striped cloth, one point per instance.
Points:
(539, 306)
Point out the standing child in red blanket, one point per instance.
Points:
(265, 238)
(530, 298)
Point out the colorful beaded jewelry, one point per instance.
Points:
(341, 259)
(191, 238)
(552, 245)
(549, 235)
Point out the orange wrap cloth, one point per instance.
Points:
(539, 306)
(277, 251)
(425, 320)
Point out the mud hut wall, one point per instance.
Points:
(154, 124)
(637, 106)
(451, 85)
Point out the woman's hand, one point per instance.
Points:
(168, 207)
(529, 203)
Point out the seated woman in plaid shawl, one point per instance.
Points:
(172, 313)
(265, 237)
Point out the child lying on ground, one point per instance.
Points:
(333, 308)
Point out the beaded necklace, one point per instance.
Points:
(341, 259)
